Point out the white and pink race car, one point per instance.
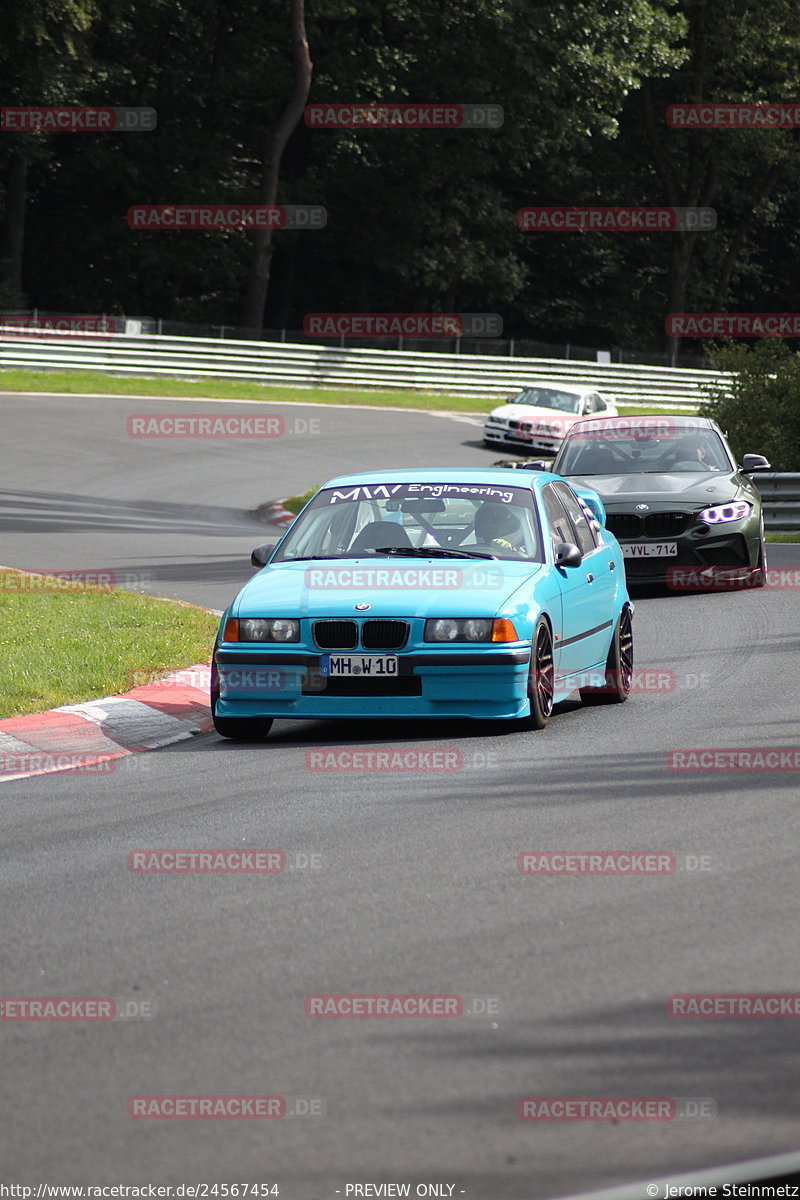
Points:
(540, 415)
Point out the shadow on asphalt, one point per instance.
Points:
(598, 1050)
(366, 732)
(69, 512)
(624, 778)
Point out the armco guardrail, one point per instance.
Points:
(780, 494)
(322, 366)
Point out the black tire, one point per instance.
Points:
(541, 675)
(239, 729)
(243, 729)
(619, 666)
(758, 573)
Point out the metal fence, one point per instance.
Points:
(781, 496)
(514, 347)
(290, 364)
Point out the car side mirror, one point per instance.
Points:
(567, 554)
(755, 462)
(261, 555)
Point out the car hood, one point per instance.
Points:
(410, 587)
(681, 487)
(530, 412)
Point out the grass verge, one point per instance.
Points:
(61, 643)
(295, 503)
(82, 382)
(783, 537)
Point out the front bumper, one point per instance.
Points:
(697, 562)
(501, 435)
(478, 682)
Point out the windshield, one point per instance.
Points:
(681, 450)
(542, 397)
(400, 519)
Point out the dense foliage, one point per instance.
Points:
(417, 220)
(760, 408)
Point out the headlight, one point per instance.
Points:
(721, 513)
(472, 629)
(477, 631)
(442, 631)
(259, 629)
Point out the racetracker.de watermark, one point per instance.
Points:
(609, 862)
(76, 119)
(196, 425)
(601, 218)
(207, 862)
(227, 216)
(388, 115)
(615, 1108)
(727, 1004)
(726, 115)
(22, 325)
(37, 762)
(391, 758)
(638, 429)
(397, 324)
(644, 681)
(731, 325)
(755, 758)
(190, 677)
(692, 579)
(76, 1008)
(234, 680)
(417, 1005)
(401, 578)
(68, 579)
(225, 1107)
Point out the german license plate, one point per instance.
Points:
(649, 549)
(375, 666)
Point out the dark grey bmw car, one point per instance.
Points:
(685, 513)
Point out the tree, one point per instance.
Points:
(427, 219)
(42, 60)
(737, 52)
(258, 282)
(759, 407)
(417, 221)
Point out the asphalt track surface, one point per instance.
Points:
(417, 888)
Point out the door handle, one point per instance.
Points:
(612, 565)
(590, 577)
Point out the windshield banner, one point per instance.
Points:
(426, 491)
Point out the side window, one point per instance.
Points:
(590, 405)
(560, 528)
(585, 539)
(600, 404)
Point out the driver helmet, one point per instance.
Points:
(693, 446)
(494, 520)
